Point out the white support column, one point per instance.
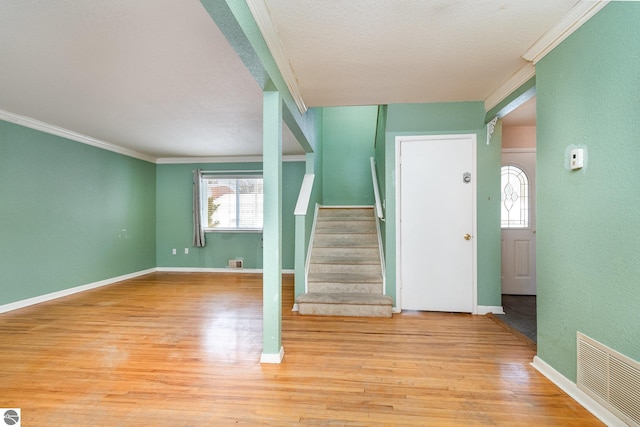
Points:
(272, 350)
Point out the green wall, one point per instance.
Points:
(348, 136)
(175, 223)
(451, 118)
(70, 214)
(588, 226)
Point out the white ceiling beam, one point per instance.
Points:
(261, 14)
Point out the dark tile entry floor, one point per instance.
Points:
(520, 314)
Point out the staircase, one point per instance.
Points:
(345, 272)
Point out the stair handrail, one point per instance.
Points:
(305, 194)
(376, 190)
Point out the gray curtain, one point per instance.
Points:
(198, 229)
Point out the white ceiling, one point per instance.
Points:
(154, 76)
(158, 76)
(363, 52)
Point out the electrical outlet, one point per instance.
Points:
(186, 251)
(173, 251)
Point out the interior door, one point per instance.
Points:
(519, 242)
(437, 219)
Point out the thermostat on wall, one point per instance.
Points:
(577, 158)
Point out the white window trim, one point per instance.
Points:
(204, 200)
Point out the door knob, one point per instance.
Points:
(467, 236)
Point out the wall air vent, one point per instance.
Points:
(610, 378)
(235, 263)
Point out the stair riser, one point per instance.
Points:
(346, 227)
(344, 260)
(327, 240)
(332, 288)
(364, 253)
(319, 269)
(345, 213)
(344, 310)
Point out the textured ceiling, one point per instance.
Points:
(154, 76)
(363, 52)
(159, 77)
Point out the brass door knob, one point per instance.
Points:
(467, 236)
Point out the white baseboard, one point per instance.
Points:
(216, 270)
(65, 292)
(272, 358)
(485, 309)
(569, 387)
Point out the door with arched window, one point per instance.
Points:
(517, 217)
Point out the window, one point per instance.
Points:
(515, 198)
(232, 203)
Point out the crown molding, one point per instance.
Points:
(84, 139)
(69, 134)
(519, 78)
(578, 15)
(224, 159)
(261, 14)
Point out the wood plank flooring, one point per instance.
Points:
(183, 349)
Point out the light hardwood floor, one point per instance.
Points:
(183, 349)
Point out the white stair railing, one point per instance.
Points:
(376, 190)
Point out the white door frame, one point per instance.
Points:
(532, 202)
(474, 202)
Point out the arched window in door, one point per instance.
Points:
(514, 198)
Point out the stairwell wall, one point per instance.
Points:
(441, 119)
(348, 136)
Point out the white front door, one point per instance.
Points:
(518, 240)
(436, 188)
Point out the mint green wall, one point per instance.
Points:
(588, 239)
(70, 214)
(174, 220)
(348, 136)
(451, 118)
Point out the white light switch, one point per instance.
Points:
(577, 158)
